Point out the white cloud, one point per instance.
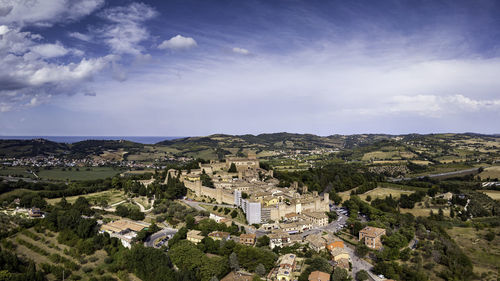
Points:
(241, 51)
(50, 50)
(178, 42)
(3, 29)
(45, 13)
(80, 36)
(28, 76)
(126, 31)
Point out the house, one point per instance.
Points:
(316, 242)
(194, 236)
(372, 236)
(343, 263)
(286, 267)
(219, 235)
(339, 253)
(278, 239)
(237, 276)
(319, 276)
(247, 239)
(35, 212)
(125, 230)
(335, 244)
(290, 217)
(318, 218)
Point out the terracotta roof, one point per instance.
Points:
(121, 225)
(319, 276)
(371, 231)
(247, 236)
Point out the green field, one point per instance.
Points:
(111, 196)
(15, 172)
(92, 173)
(485, 256)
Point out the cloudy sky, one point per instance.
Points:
(185, 67)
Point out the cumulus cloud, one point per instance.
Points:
(3, 29)
(126, 29)
(178, 42)
(40, 12)
(241, 51)
(28, 76)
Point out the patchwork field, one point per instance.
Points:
(484, 255)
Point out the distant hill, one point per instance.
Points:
(28, 148)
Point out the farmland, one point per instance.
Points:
(111, 196)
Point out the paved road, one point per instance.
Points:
(157, 235)
(360, 264)
(439, 175)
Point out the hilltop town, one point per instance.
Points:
(368, 208)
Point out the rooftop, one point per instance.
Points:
(371, 231)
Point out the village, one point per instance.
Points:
(285, 216)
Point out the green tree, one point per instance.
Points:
(232, 168)
(362, 275)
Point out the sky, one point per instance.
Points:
(190, 68)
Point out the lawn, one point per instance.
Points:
(485, 256)
(111, 196)
(381, 155)
(76, 174)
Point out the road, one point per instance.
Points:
(439, 175)
(141, 207)
(360, 264)
(157, 235)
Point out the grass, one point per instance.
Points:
(485, 256)
(382, 192)
(380, 155)
(239, 218)
(494, 194)
(16, 193)
(111, 196)
(48, 243)
(15, 171)
(490, 172)
(75, 175)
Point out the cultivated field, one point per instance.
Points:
(484, 255)
(490, 172)
(82, 173)
(494, 194)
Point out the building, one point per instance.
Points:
(335, 244)
(247, 239)
(238, 276)
(278, 239)
(372, 236)
(319, 276)
(286, 267)
(125, 230)
(316, 242)
(219, 235)
(35, 212)
(339, 253)
(194, 236)
(318, 218)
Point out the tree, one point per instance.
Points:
(232, 168)
(362, 275)
(340, 274)
(234, 214)
(260, 269)
(361, 250)
(233, 262)
(263, 241)
(190, 221)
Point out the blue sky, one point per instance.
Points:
(189, 67)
